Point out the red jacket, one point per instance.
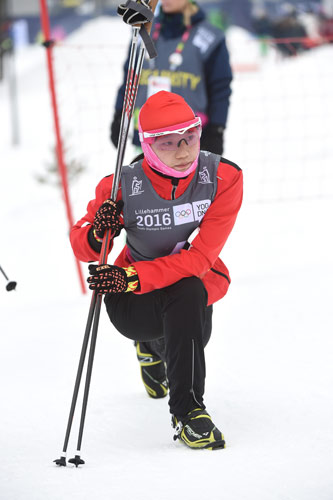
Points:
(202, 259)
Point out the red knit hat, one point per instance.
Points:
(164, 109)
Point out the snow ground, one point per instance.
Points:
(269, 362)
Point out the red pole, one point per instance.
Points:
(45, 22)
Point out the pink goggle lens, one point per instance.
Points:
(170, 142)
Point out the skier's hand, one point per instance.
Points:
(112, 279)
(108, 217)
(212, 139)
(135, 12)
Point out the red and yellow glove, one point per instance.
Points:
(112, 279)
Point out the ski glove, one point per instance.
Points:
(112, 279)
(212, 139)
(108, 217)
(135, 12)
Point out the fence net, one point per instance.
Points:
(281, 111)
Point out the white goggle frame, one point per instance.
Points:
(180, 131)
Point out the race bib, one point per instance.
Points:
(157, 83)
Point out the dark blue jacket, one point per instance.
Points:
(216, 72)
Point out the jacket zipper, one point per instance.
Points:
(221, 274)
(175, 183)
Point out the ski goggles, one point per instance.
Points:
(170, 139)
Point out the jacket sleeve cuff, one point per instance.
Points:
(94, 244)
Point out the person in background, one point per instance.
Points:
(192, 61)
(261, 22)
(178, 206)
(289, 28)
(326, 20)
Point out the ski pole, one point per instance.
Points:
(11, 285)
(95, 306)
(62, 459)
(128, 111)
(77, 460)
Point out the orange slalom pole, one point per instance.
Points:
(48, 43)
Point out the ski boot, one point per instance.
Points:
(198, 431)
(153, 373)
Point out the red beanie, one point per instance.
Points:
(164, 109)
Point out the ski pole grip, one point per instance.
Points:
(152, 4)
(145, 33)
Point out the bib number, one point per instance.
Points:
(156, 220)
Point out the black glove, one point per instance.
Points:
(108, 217)
(115, 128)
(112, 279)
(135, 12)
(212, 139)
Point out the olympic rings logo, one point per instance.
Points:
(183, 213)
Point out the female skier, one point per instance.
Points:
(178, 206)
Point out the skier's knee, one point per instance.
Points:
(192, 290)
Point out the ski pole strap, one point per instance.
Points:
(148, 42)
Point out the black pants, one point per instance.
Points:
(179, 315)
